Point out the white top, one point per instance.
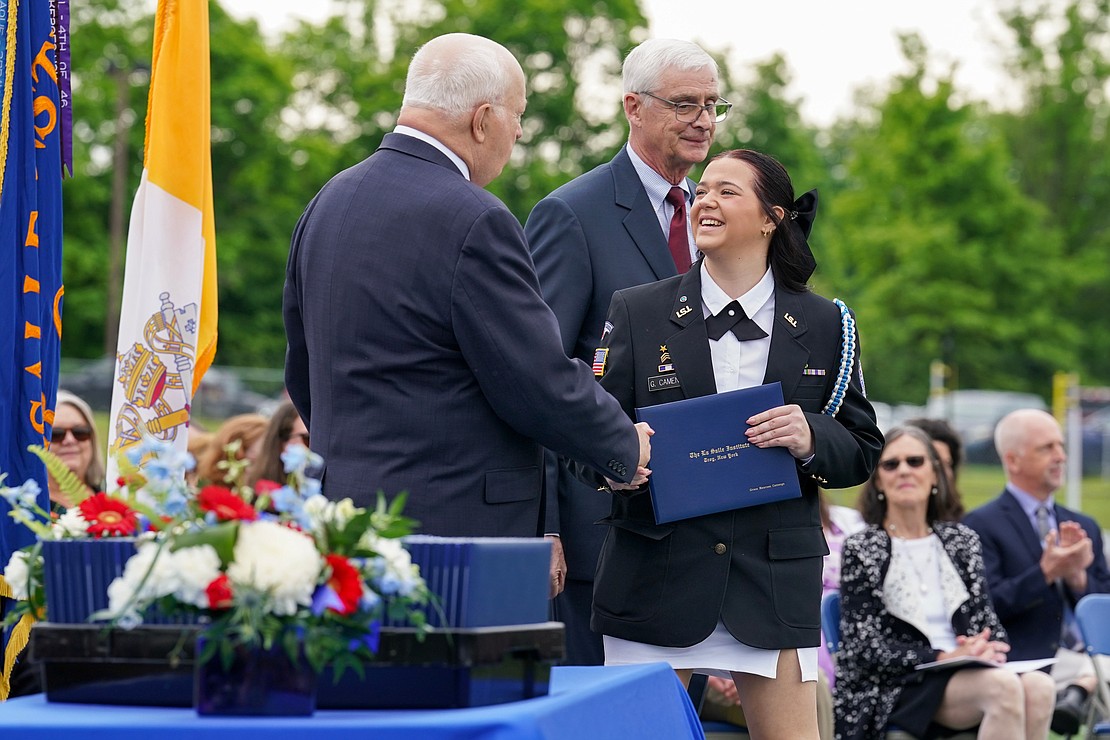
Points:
(923, 557)
(428, 139)
(739, 364)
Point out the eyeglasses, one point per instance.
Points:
(914, 461)
(81, 434)
(690, 112)
(302, 437)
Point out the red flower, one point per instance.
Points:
(265, 485)
(219, 593)
(108, 516)
(346, 582)
(225, 504)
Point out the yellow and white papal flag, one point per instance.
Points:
(167, 328)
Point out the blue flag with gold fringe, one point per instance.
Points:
(31, 244)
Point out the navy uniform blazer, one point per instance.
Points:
(590, 238)
(422, 356)
(757, 569)
(1031, 609)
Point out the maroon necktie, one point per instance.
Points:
(678, 239)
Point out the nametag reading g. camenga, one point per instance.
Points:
(663, 382)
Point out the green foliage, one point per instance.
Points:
(940, 252)
(73, 487)
(955, 233)
(1059, 140)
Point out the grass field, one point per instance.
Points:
(980, 483)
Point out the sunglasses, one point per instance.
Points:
(914, 461)
(81, 434)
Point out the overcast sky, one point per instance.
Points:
(831, 47)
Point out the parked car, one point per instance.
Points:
(974, 414)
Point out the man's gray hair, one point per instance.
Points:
(645, 64)
(458, 83)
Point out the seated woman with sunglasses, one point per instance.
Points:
(912, 592)
(74, 440)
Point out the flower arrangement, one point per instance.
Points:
(93, 515)
(273, 565)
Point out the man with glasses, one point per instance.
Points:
(624, 223)
(1040, 558)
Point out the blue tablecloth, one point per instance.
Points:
(584, 703)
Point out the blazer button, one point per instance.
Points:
(720, 548)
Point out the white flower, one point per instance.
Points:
(70, 524)
(322, 510)
(393, 569)
(18, 574)
(148, 575)
(276, 560)
(195, 568)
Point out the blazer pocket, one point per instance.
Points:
(515, 484)
(651, 531)
(796, 555)
(632, 571)
(810, 388)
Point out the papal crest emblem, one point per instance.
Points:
(156, 377)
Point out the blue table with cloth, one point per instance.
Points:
(584, 702)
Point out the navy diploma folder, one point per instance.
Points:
(701, 462)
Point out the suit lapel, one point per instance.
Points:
(641, 222)
(689, 345)
(787, 355)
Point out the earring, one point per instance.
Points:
(766, 231)
(934, 491)
(880, 495)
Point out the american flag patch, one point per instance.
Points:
(600, 356)
(813, 371)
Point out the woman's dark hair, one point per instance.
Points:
(788, 255)
(873, 508)
(941, 431)
(268, 465)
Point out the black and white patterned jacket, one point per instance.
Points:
(882, 622)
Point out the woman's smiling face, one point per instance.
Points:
(727, 213)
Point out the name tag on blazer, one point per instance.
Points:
(664, 382)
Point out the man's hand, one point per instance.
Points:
(782, 426)
(1067, 556)
(644, 432)
(641, 477)
(558, 566)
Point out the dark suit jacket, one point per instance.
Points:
(758, 569)
(880, 650)
(591, 237)
(1031, 609)
(422, 356)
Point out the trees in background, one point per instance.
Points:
(953, 231)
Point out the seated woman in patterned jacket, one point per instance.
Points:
(913, 592)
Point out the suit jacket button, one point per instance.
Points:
(720, 548)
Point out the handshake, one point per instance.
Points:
(643, 433)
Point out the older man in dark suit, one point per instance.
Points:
(621, 224)
(421, 354)
(1040, 557)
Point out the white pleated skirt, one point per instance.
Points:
(720, 654)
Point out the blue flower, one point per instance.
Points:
(22, 497)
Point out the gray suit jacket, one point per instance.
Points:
(422, 356)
